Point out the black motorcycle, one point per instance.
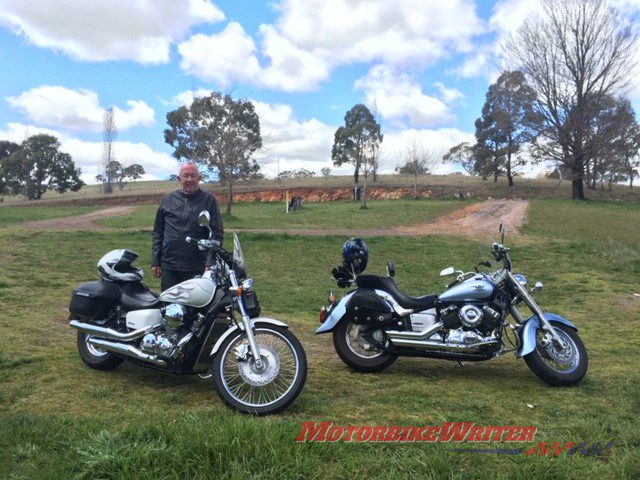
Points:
(476, 318)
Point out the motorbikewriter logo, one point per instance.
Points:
(446, 432)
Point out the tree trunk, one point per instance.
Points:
(577, 184)
(509, 176)
(229, 196)
(364, 192)
(415, 184)
(495, 177)
(356, 175)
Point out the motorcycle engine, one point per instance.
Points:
(469, 316)
(162, 344)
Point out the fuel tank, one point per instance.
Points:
(478, 287)
(196, 292)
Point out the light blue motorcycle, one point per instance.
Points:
(476, 318)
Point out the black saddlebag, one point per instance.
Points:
(367, 308)
(94, 300)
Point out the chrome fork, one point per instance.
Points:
(246, 322)
(531, 303)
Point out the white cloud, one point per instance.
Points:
(398, 33)
(448, 95)
(77, 109)
(291, 144)
(88, 155)
(232, 56)
(94, 30)
(311, 37)
(399, 97)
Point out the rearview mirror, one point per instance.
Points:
(204, 218)
(447, 271)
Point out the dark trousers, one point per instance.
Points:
(174, 277)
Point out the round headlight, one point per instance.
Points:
(173, 316)
(521, 279)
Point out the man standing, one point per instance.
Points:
(172, 258)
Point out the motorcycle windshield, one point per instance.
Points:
(238, 256)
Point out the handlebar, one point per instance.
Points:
(205, 244)
(501, 253)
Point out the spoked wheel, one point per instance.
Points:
(559, 365)
(268, 389)
(355, 345)
(95, 357)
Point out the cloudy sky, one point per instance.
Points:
(426, 64)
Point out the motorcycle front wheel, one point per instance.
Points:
(354, 345)
(260, 391)
(559, 365)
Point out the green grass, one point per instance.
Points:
(11, 215)
(61, 420)
(593, 220)
(379, 214)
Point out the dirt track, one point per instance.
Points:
(80, 222)
(479, 219)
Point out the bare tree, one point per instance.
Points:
(109, 135)
(417, 161)
(574, 53)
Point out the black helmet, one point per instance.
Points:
(116, 266)
(355, 255)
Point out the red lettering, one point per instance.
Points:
(363, 434)
(394, 434)
(527, 434)
(334, 433)
(310, 433)
(432, 434)
(348, 432)
(511, 435)
(475, 434)
(458, 431)
(378, 434)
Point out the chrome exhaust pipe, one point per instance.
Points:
(423, 335)
(126, 350)
(430, 345)
(96, 331)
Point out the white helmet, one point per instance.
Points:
(116, 266)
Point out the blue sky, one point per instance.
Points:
(426, 65)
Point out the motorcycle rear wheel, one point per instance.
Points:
(95, 357)
(356, 352)
(264, 391)
(557, 366)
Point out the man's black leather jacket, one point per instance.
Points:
(177, 218)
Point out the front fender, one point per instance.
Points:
(336, 315)
(527, 333)
(254, 323)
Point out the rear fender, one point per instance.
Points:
(336, 314)
(255, 322)
(527, 333)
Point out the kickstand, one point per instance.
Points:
(205, 376)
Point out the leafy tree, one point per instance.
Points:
(571, 55)
(508, 122)
(6, 150)
(326, 171)
(357, 141)
(462, 154)
(119, 174)
(219, 133)
(38, 165)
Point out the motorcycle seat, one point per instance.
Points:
(389, 285)
(136, 296)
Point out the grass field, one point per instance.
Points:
(380, 214)
(59, 419)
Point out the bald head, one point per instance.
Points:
(189, 178)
